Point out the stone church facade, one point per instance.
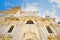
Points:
(16, 24)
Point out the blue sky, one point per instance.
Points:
(52, 7)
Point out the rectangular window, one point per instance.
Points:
(10, 30)
(49, 30)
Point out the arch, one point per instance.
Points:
(29, 39)
(29, 22)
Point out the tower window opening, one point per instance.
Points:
(49, 30)
(11, 28)
(29, 22)
(58, 22)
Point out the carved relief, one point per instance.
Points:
(5, 37)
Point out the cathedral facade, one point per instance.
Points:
(16, 24)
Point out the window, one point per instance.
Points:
(58, 22)
(29, 39)
(49, 30)
(29, 22)
(10, 30)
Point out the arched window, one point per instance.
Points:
(29, 22)
(49, 30)
(29, 39)
(58, 22)
(11, 28)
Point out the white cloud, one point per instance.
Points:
(6, 4)
(9, 4)
(52, 14)
(57, 1)
(31, 7)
